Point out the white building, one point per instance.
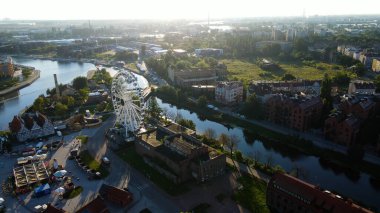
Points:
(229, 92)
(362, 87)
(208, 52)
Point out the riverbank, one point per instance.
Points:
(32, 78)
(268, 135)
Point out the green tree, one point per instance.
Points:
(202, 64)
(143, 50)
(253, 107)
(342, 79)
(202, 101)
(288, 77)
(80, 83)
(377, 83)
(182, 64)
(154, 109)
(68, 100)
(186, 123)
(300, 45)
(38, 104)
(223, 139)
(83, 95)
(60, 109)
(326, 91)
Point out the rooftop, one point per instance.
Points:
(314, 195)
(151, 138)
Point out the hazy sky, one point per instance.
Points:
(178, 9)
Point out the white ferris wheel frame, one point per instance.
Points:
(128, 114)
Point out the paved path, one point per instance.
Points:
(148, 194)
(241, 167)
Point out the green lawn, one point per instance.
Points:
(252, 195)
(129, 155)
(75, 192)
(93, 164)
(83, 138)
(247, 71)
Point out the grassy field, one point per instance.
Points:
(252, 195)
(247, 71)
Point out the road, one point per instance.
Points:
(148, 194)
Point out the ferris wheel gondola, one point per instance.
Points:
(127, 101)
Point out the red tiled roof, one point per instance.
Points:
(316, 196)
(15, 124)
(95, 206)
(113, 193)
(53, 209)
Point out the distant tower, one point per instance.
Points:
(56, 85)
(10, 67)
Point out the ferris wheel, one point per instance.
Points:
(127, 100)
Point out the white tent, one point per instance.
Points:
(60, 173)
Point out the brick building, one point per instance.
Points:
(7, 68)
(179, 156)
(189, 77)
(229, 92)
(115, 195)
(343, 126)
(197, 76)
(293, 87)
(342, 129)
(289, 194)
(299, 113)
(95, 206)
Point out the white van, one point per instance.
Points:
(39, 146)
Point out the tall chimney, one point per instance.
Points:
(56, 85)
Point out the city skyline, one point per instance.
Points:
(170, 9)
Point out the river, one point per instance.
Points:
(356, 186)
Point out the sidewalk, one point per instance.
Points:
(249, 170)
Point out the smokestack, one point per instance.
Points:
(56, 85)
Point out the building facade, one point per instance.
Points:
(376, 65)
(30, 126)
(179, 156)
(293, 87)
(208, 52)
(298, 113)
(7, 68)
(190, 77)
(229, 92)
(344, 125)
(362, 87)
(289, 194)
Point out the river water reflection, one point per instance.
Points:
(310, 168)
